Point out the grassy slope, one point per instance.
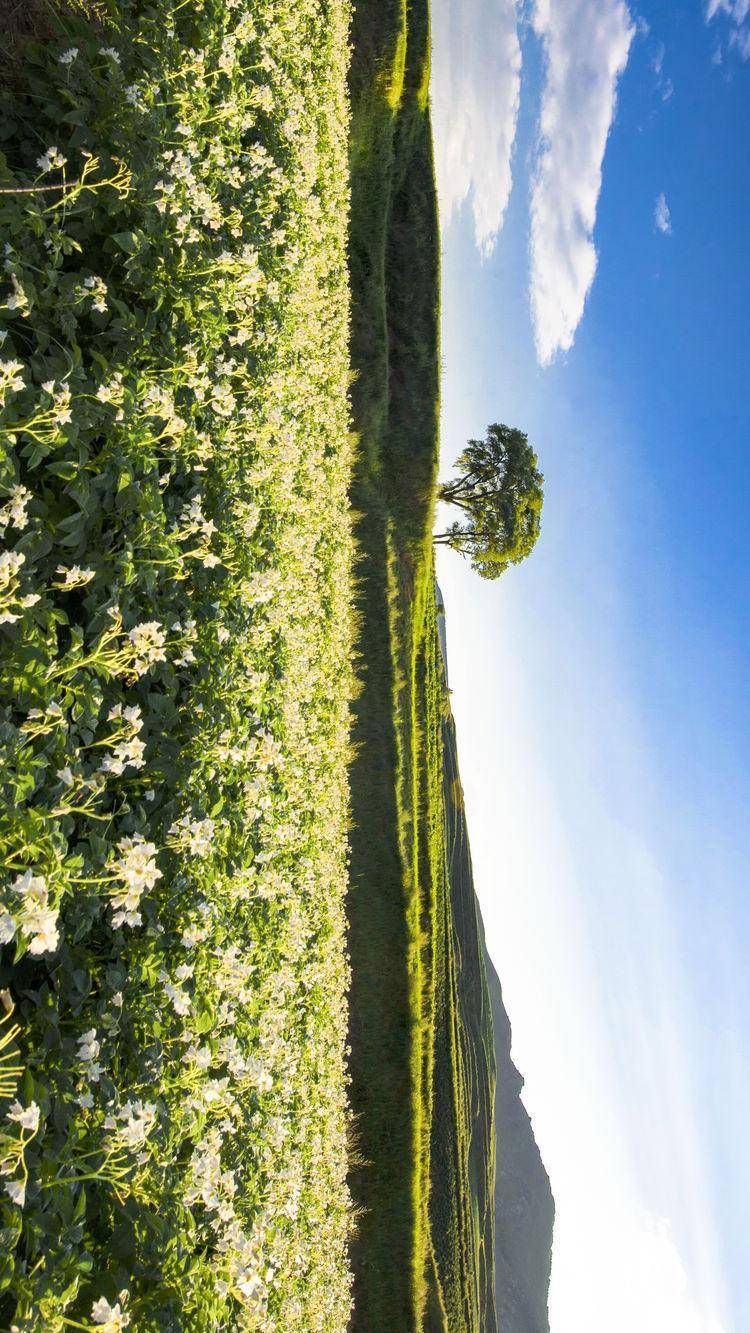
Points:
(416, 1264)
(215, 375)
(394, 263)
(463, 1155)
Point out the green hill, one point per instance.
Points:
(422, 1049)
(463, 1140)
(421, 1176)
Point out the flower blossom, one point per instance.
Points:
(10, 563)
(11, 379)
(38, 921)
(196, 834)
(89, 1047)
(97, 289)
(73, 576)
(13, 512)
(17, 1191)
(52, 158)
(27, 1117)
(136, 1121)
(111, 1318)
(148, 645)
(137, 869)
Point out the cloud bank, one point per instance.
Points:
(477, 67)
(587, 43)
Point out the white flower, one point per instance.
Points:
(38, 921)
(111, 392)
(52, 158)
(27, 1118)
(13, 512)
(17, 1191)
(128, 754)
(66, 775)
(88, 1046)
(195, 834)
(137, 869)
(97, 289)
(11, 379)
(137, 1121)
(18, 300)
(68, 57)
(148, 645)
(111, 52)
(7, 928)
(112, 1318)
(85, 1100)
(10, 563)
(179, 998)
(73, 576)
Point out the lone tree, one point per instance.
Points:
(499, 490)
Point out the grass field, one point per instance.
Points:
(175, 670)
(422, 1258)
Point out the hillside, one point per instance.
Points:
(422, 1060)
(421, 1258)
(462, 1173)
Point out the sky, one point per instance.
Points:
(594, 177)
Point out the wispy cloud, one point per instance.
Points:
(477, 66)
(662, 217)
(737, 12)
(736, 9)
(587, 43)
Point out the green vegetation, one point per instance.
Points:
(499, 492)
(175, 670)
(421, 1229)
(463, 1139)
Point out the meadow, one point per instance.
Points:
(175, 669)
(422, 1064)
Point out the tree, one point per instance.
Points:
(499, 491)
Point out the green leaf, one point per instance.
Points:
(127, 241)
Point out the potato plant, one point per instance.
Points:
(175, 647)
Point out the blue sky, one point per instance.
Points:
(596, 292)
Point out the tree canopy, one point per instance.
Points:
(499, 491)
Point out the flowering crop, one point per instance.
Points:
(175, 646)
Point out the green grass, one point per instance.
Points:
(421, 1256)
(463, 1146)
(175, 671)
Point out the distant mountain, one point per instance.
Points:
(524, 1207)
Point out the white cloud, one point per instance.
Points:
(740, 40)
(587, 43)
(477, 67)
(662, 218)
(736, 11)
